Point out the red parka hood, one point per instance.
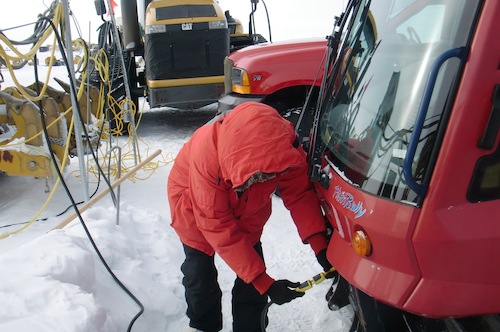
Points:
(252, 138)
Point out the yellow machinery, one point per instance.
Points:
(182, 45)
(175, 57)
(24, 152)
(185, 46)
(23, 149)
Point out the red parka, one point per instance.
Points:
(209, 215)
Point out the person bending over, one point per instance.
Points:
(220, 191)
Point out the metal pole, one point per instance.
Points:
(117, 203)
(126, 81)
(74, 101)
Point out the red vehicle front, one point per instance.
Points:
(278, 74)
(405, 151)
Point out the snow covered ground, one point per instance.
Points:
(52, 279)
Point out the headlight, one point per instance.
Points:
(217, 25)
(155, 29)
(241, 83)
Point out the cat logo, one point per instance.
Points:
(187, 26)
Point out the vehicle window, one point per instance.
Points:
(417, 28)
(368, 118)
(185, 11)
(485, 184)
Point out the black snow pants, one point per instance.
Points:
(203, 296)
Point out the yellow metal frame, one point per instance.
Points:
(184, 82)
(30, 161)
(24, 153)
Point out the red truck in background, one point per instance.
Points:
(283, 75)
(403, 144)
(279, 74)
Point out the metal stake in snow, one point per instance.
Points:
(103, 193)
(74, 101)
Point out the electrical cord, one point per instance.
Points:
(41, 30)
(268, 22)
(27, 223)
(103, 72)
(82, 222)
(70, 196)
(77, 107)
(34, 219)
(54, 161)
(54, 13)
(46, 218)
(125, 289)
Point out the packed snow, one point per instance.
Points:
(51, 279)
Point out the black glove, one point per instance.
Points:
(282, 291)
(323, 261)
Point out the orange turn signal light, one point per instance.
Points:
(361, 243)
(241, 85)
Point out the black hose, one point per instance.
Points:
(268, 22)
(73, 203)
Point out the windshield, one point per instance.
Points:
(371, 107)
